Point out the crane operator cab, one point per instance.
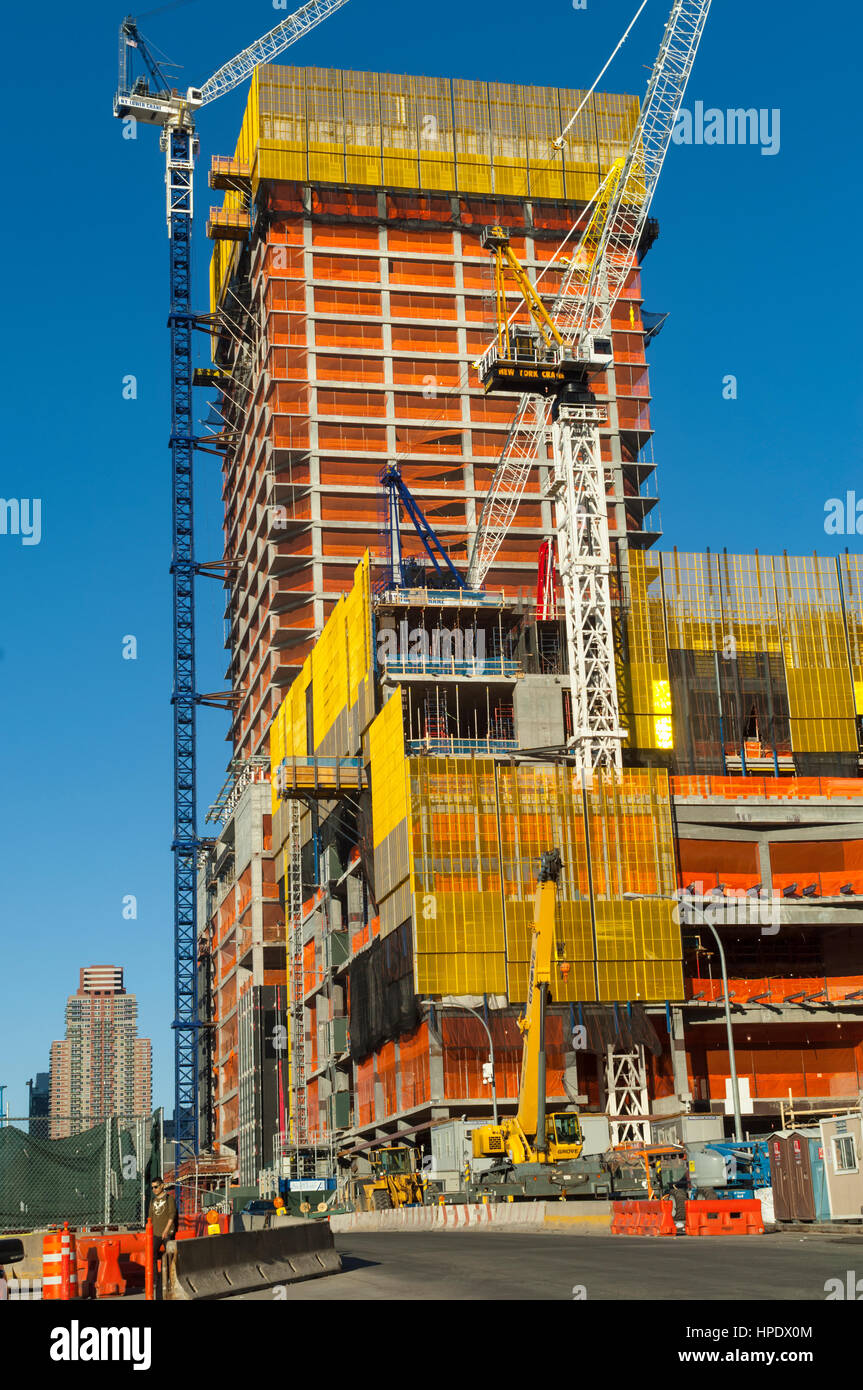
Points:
(563, 1132)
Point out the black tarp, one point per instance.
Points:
(622, 1025)
(383, 1002)
(364, 832)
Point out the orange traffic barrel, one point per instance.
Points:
(59, 1265)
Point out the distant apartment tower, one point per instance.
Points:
(101, 1068)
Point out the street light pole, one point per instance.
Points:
(732, 1058)
(464, 1008)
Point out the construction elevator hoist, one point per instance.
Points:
(552, 360)
(148, 97)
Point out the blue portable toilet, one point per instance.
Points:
(807, 1150)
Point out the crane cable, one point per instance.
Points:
(558, 143)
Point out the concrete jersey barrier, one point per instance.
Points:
(242, 1261)
(577, 1218)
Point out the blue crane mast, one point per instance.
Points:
(148, 97)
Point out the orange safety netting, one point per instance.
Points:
(779, 788)
(414, 1068)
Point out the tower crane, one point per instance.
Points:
(569, 344)
(148, 97)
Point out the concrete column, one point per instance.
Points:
(436, 1076)
(764, 866)
(678, 1056)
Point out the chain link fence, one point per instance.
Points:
(99, 1177)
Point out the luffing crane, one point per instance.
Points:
(399, 569)
(149, 98)
(573, 345)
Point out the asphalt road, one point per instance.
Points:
(496, 1265)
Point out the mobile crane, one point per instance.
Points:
(532, 1135)
(537, 1153)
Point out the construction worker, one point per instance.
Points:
(163, 1215)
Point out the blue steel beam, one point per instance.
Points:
(396, 487)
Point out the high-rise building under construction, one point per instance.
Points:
(349, 315)
(400, 757)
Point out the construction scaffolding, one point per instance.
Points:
(746, 663)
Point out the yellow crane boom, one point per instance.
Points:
(530, 1115)
(531, 1136)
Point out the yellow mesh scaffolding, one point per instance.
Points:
(795, 608)
(632, 851)
(477, 834)
(851, 569)
(339, 671)
(329, 674)
(387, 758)
(693, 607)
(650, 722)
(749, 602)
(288, 729)
(358, 629)
(432, 134)
(429, 133)
(817, 671)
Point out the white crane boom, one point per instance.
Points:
(587, 295)
(265, 49)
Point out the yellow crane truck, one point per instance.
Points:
(537, 1153)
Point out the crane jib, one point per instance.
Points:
(584, 302)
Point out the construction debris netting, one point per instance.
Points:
(746, 656)
(382, 1000)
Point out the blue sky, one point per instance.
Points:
(756, 265)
